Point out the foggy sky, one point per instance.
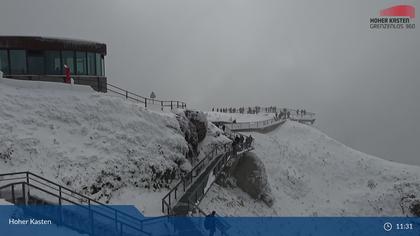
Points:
(318, 55)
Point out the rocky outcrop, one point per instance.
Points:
(250, 175)
(415, 209)
(194, 126)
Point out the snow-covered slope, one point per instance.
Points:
(312, 174)
(95, 143)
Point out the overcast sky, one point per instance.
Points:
(320, 55)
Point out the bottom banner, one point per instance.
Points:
(102, 220)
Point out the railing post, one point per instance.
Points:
(59, 192)
(90, 217)
(172, 107)
(161, 105)
(116, 221)
(25, 197)
(196, 197)
(60, 212)
(13, 194)
(177, 104)
(27, 181)
(163, 206)
(126, 94)
(145, 102)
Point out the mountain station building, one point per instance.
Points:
(43, 59)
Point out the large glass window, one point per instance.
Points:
(68, 59)
(91, 63)
(81, 63)
(4, 61)
(102, 66)
(98, 64)
(18, 61)
(53, 63)
(36, 63)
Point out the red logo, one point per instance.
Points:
(400, 10)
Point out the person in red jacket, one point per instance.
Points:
(67, 73)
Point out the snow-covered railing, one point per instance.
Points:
(255, 125)
(23, 184)
(273, 110)
(276, 120)
(144, 100)
(172, 197)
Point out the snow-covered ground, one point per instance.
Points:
(95, 143)
(311, 174)
(118, 152)
(4, 202)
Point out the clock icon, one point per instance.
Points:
(387, 226)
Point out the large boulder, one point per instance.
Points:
(198, 120)
(194, 126)
(251, 177)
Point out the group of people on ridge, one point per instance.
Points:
(284, 114)
(302, 112)
(241, 142)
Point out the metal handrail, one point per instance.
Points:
(144, 100)
(81, 198)
(278, 109)
(188, 179)
(61, 198)
(254, 125)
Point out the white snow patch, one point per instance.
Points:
(311, 174)
(80, 138)
(4, 202)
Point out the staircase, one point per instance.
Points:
(191, 189)
(40, 197)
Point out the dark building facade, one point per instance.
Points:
(43, 59)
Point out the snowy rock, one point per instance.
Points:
(415, 208)
(199, 121)
(194, 126)
(251, 177)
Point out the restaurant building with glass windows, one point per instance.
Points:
(43, 59)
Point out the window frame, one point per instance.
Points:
(41, 54)
(85, 62)
(7, 60)
(60, 67)
(25, 63)
(72, 70)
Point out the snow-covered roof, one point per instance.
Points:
(51, 43)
